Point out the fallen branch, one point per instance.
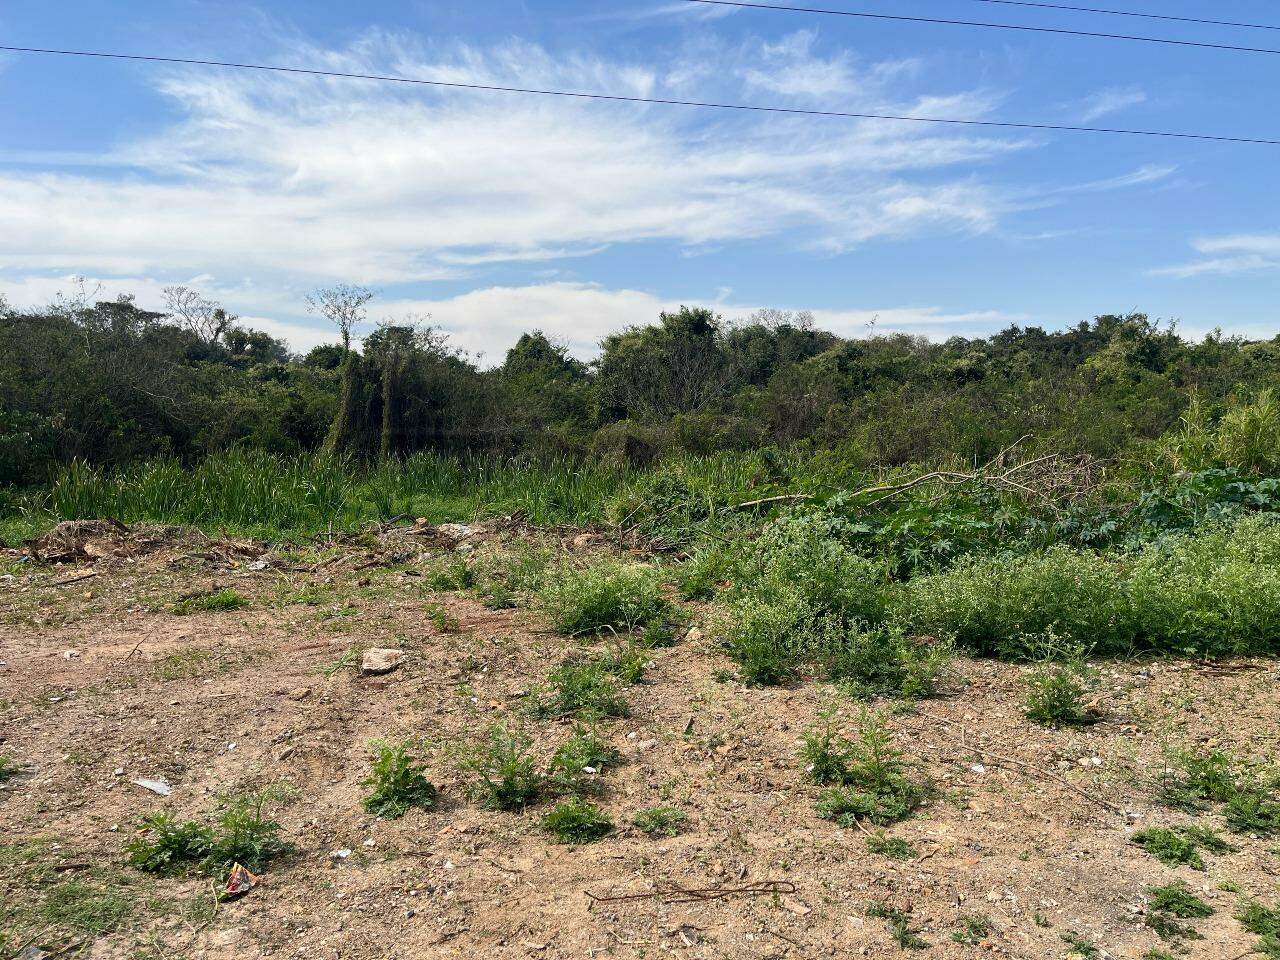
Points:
(76, 579)
(673, 894)
(770, 501)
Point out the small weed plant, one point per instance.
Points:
(576, 821)
(241, 834)
(974, 929)
(225, 599)
(585, 688)
(1058, 686)
(895, 848)
(1180, 846)
(505, 771)
(867, 777)
(899, 924)
(577, 765)
(397, 783)
(660, 821)
(1264, 923)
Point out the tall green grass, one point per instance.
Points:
(262, 493)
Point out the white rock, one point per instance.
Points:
(381, 660)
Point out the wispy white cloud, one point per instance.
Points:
(1228, 256)
(309, 179)
(1109, 101)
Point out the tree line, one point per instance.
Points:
(108, 382)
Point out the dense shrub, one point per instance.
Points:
(606, 596)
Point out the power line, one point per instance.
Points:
(1062, 31)
(619, 98)
(1133, 13)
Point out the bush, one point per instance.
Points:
(607, 596)
(883, 661)
(989, 604)
(397, 783)
(576, 821)
(506, 771)
(766, 637)
(699, 577)
(800, 557)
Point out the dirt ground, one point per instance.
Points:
(103, 683)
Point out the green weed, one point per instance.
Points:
(578, 763)
(1058, 686)
(974, 929)
(895, 848)
(584, 688)
(899, 924)
(869, 777)
(505, 770)
(1263, 922)
(607, 596)
(660, 821)
(241, 834)
(225, 599)
(883, 661)
(1081, 946)
(576, 821)
(1180, 846)
(397, 783)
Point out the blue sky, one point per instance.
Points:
(496, 213)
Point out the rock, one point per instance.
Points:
(380, 660)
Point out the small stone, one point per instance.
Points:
(380, 660)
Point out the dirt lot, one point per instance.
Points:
(103, 683)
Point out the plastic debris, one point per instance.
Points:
(239, 882)
(155, 786)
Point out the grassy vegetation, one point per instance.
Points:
(581, 688)
(660, 821)
(577, 821)
(1058, 686)
(578, 763)
(606, 596)
(397, 783)
(1181, 846)
(895, 848)
(899, 924)
(866, 779)
(1264, 922)
(1248, 799)
(224, 599)
(241, 833)
(504, 770)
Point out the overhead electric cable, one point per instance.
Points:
(1132, 13)
(1062, 31)
(621, 98)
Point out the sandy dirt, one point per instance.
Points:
(103, 683)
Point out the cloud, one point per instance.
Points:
(308, 179)
(1228, 256)
(1108, 101)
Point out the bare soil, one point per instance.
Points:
(102, 683)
